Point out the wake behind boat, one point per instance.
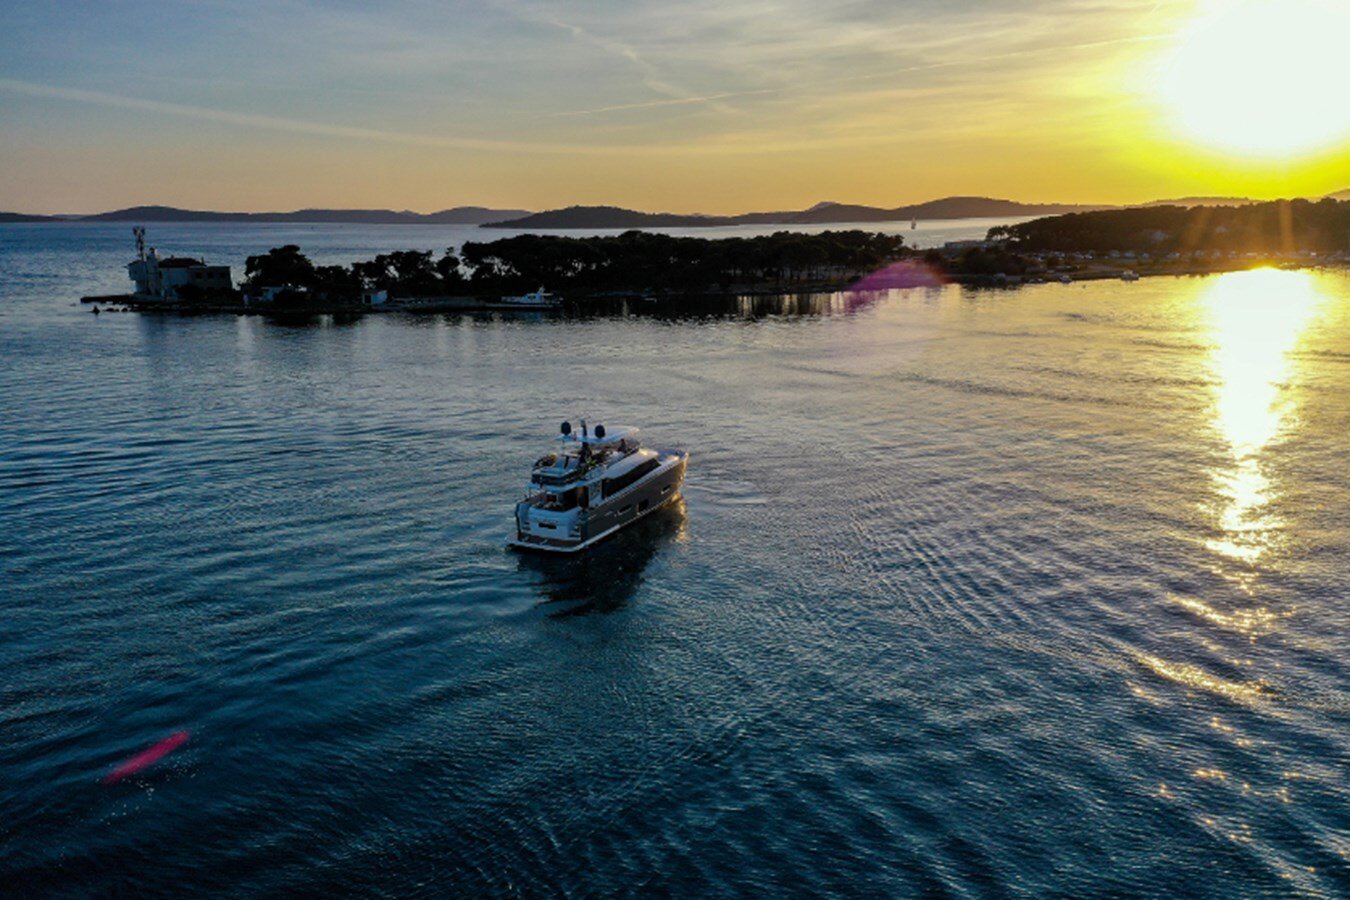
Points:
(598, 483)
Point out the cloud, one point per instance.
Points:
(300, 126)
(278, 123)
(654, 104)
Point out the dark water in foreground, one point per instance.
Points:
(976, 593)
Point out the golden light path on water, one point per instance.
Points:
(1256, 320)
(1254, 324)
(1253, 321)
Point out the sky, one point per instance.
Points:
(716, 106)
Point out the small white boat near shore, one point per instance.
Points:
(540, 299)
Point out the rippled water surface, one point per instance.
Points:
(976, 593)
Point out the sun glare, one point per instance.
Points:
(1257, 319)
(1261, 77)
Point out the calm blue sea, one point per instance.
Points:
(972, 593)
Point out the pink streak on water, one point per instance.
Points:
(147, 757)
(898, 276)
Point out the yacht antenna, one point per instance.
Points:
(139, 231)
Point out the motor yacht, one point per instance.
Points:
(597, 482)
(540, 299)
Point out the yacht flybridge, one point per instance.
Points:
(598, 482)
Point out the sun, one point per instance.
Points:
(1264, 78)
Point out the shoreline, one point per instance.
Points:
(461, 304)
(1115, 271)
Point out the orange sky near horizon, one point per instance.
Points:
(719, 107)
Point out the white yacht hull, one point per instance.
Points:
(653, 492)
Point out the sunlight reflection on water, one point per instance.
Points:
(1253, 339)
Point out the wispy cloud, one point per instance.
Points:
(653, 77)
(654, 104)
(277, 123)
(301, 126)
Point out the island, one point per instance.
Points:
(459, 215)
(1118, 243)
(634, 264)
(575, 217)
(1155, 240)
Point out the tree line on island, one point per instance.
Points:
(633, 262)
(1281, 226)
(638, 262)
(1162, 238)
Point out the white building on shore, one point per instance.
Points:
(165, 278)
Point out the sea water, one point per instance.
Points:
(974, 592)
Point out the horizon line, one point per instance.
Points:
(785, 208)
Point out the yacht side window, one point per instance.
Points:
(614, 485)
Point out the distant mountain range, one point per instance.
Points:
(460, 215)
(24, 217)
(821, 213)
(618, 217)
(1228, 201)
(1202, 201)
